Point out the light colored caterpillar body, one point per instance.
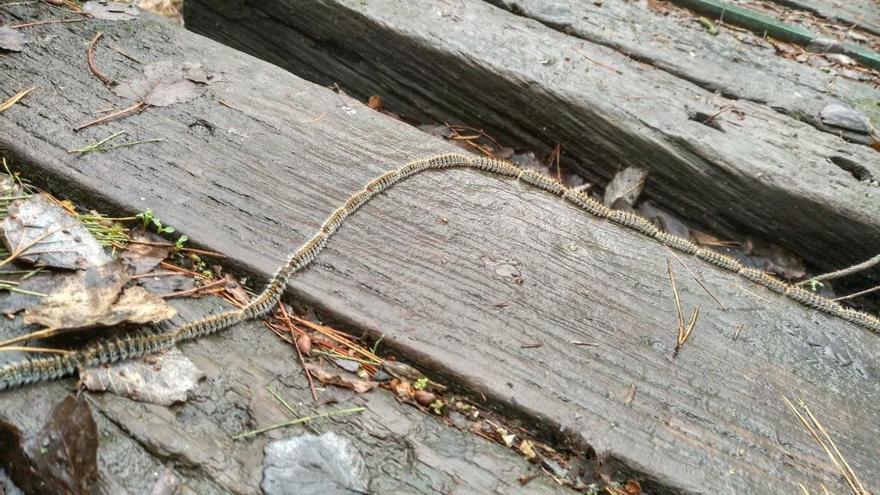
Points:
(113, 350)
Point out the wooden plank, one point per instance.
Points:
(405, 451)
(864, 14)
(766, 25)
(508, 266)
(540, 87)
(730, 63)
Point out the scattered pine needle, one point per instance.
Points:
(694, 275)
(15, 99)
(684, 332)
(42, 23)
(821, 436)
(302, 360)
(297, 421)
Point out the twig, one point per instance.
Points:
(137, 107)
(578, 342)
(842, 273)
(90, 58)
(45, 350)
(695, 278)
(40, 23)
(298, 421)
(857, 294)
(302, 360)
(15, 98)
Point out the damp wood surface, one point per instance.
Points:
(468, 61)
(459, 270)
(406, 451)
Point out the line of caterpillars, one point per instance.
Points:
(120, 348)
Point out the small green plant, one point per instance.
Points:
(815, 284)
(148, 218)
(421, 383)
(180, 243)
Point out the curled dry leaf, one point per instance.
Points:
(164, 380)
(95, 298)
(165, 83)
(145, 252)
(48, 235)
(111, 11)
(340, 380)
(11, 40)
(60, 458)
(626, 186)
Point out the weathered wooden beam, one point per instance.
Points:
(863, 14)
(766, 25)
(763, 172)
(457, 269)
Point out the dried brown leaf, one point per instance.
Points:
(51, 236)
(340, 380)
(60, 458)
(164, 380)
(164, 84)
(626, 186)
(92, 298)
(145, 253)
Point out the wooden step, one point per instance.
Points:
(468, 61)
(457, 269)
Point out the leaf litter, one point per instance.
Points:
(164, 379)
(59, 458)
(11, 40)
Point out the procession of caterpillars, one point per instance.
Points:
(117, 349)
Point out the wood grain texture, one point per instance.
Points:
(864, 14)
(473, 62)
(405, 450)
(729, 63)
(509, 266)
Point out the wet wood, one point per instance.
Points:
(255, 175)
(762, 171)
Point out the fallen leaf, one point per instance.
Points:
(234, 289)
(111, 11)
(145, 252)
(92, 298)
(60, 458)
(11, 40)
(314, 465)
(340, 380)
(50, 236)
(626, 185)
(164, 380)
(163, 84)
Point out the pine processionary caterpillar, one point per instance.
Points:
(112, 350)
